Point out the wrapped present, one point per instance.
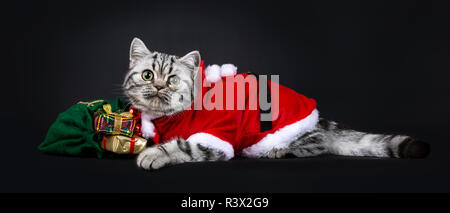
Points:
(112, 123)
(73, 132)
(122, 144)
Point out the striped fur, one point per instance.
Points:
(157, 97)
(176, 151)
(328, 137)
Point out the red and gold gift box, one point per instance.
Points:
(114, 123)
(121, 131)
(122, 144)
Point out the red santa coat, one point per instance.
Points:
(237, 131)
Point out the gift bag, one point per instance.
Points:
(73, 131)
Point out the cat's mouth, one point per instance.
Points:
(156, 103)
(153, 107)
(162, 97)
(160, 111)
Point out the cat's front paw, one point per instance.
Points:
(152, 158)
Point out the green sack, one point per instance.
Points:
(73, 131)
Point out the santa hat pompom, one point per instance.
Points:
(228, 70)
(212, 73)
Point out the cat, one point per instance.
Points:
(162, 86)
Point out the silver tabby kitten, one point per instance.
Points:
(172, 89)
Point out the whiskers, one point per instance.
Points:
(118, 91)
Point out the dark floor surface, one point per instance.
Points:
(37, 172)
(378, 66)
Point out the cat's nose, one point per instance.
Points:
(158, 87)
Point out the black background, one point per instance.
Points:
(378, 66)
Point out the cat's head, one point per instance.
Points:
(158, 83)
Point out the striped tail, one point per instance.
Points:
(344, 141)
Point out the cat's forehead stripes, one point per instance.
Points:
(163, 63)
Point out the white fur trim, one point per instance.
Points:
(147, 128)
(228, 70)
(213, 142)
(282, 137)
(212, 73)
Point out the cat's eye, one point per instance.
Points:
(174, 80)
(147, 75)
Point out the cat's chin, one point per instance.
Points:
(160, 113)
(159, 109)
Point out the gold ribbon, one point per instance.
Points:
(89, 104)
(107, 108)
(117, 117)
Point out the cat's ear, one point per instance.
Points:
(138, 50)
(191, 60)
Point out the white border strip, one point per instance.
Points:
(282, 137)
(212, 142)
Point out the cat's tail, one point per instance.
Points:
(344, 141)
